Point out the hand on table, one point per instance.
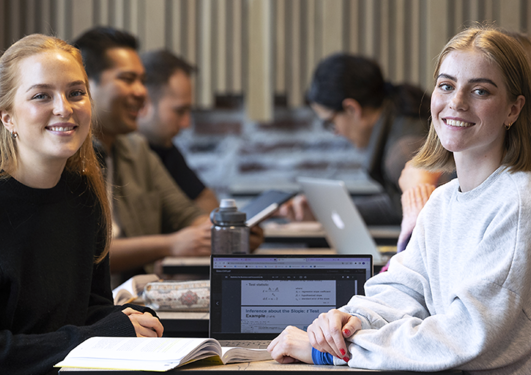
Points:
(297, 209)
(292, 345)
(328, 332)
(145, 324)
(192, 241)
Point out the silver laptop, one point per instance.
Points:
(253, 298)
(333, 207)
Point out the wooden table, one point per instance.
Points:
(184, 324)
(313, 235)
(257, 368)
(201, 265)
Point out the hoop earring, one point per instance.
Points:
(14, 134)
(508, 126)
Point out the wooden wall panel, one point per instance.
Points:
(261, 48)
(413, 73)
(134, 16)
(383, 37)
(510, 15)
(436, 36)
(61, 19)
(103, 16)
(332, 13)
(30, 11)
(259, 95)
(353, 26)
(191, 42)
(280, 47)
(154, 36)
(82, 16)
(14, 29)
(369, 45)
(3, 33)
(205, 98)
(310, 58)
(236, 58)
(294, 87)
(399, 41)
(177, 27)
(118, 12)
(220, 66)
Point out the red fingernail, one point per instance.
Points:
(342, 351)
(346, 332)
(346, 359)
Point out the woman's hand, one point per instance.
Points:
(191, 241)
(292, 345)
(412, 176)
(328, 332)
(145, 324)
(413, 200)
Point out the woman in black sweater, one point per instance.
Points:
(54, 215)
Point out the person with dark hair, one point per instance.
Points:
(459, 297)
(167, 111)
(55, 218)
(152, 217)
(349, 94)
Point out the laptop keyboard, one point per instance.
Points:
(249, 344)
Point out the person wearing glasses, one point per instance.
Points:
(349, 94)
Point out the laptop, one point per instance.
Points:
(253, 298)
(333, 207)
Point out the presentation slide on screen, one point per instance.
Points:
(269, 306)
(271, 319)
(289, 293)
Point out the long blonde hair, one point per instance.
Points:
(84, 161)
(510, 57)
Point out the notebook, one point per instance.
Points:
(333, 207)
(253, 298)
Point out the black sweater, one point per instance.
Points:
(52, 294)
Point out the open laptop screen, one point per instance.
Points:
(256, 297)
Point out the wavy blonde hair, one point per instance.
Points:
(507, 53)
(84, 161)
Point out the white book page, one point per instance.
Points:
(135, 348)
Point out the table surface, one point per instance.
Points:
(261, 367)
(315, 229)
(387, 252)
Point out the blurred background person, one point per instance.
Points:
(166, 112)
(348, 93)
(152, 217)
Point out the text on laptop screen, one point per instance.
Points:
(263, 295)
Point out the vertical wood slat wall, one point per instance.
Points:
(263, 48)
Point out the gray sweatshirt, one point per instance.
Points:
(460, 295)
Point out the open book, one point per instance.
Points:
(154, 354)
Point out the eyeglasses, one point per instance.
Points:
(328, 124)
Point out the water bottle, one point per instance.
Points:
(230, 235)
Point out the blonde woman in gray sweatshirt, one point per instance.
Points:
(460, 296)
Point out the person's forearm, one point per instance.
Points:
(200, 220)
(207, 200)
(130, 253)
